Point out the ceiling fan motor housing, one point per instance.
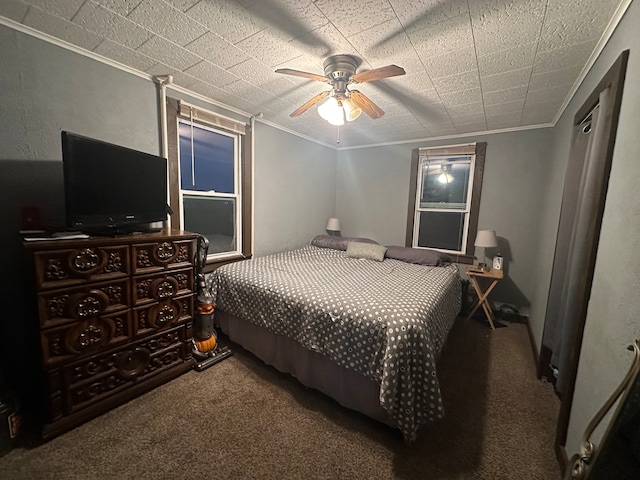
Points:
(340, 67)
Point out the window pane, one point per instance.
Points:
(214, 218)
(213, 160)
(445, 185)
(442, 230)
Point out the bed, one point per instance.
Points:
(364, 328)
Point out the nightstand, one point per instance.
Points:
(493, 276)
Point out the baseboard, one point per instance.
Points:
(532, 342)
(562, 457)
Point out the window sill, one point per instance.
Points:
(464, 259)
(215, 263)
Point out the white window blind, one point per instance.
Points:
(213, 119)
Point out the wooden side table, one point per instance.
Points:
(483, 295)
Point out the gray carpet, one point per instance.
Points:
(241, 419)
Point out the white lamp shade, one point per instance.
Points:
(333, 225)
(332, 111)
(486, 239)
(351, 110)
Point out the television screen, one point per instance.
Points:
(111, 189)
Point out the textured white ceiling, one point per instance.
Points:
(472, 65)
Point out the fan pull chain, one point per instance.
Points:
(338, 134)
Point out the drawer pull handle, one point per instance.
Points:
(165, 315)
(89, 336)
(89, 304)
(165, 252)
(86, 260)
(164, 288)
(132, 363)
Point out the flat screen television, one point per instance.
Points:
(112, 190)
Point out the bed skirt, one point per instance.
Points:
(348, 388)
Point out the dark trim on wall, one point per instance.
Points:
(478, 174)
(532, 341)
(562, 457)
(172, 153)
(247, 191)
(413, 186)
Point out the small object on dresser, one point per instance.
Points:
(497, 262)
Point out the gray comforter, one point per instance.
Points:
(386, 320)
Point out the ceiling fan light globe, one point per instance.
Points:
(351, 111)
(337, 121)
(332, 111)
(324, 110)
(445, 178)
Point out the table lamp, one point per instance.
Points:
(486, 239)
(333, 227)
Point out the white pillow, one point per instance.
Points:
(367, 251)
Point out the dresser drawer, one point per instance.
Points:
(163, 314)
(162, 255)
(78, 385)
(86, 337)
(80, 303)
(61, 268)
(160, 286)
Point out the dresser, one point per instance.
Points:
(114, 320)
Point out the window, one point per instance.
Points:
(209, 190)
(210, 179)
(444, 198)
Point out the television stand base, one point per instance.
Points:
(122, 231)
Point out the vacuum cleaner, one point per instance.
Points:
(207, 351)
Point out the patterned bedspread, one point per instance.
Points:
(386, 320)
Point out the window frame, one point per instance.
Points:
(473, 197)
(237, 195)
(243, 175)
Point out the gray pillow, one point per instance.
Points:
(421, 256)
(336, 242)
(367, 251)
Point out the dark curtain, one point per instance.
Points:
(577, 230)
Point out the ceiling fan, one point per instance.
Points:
(343, 103)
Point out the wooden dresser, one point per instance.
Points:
(114, 320)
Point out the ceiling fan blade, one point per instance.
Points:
(309, 104)
(298, 73)
(378, 73)
(362, 101)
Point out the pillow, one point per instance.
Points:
(421, 256)
(336, 242)
(367, 251)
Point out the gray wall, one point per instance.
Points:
(294, 192)
(373, 193)
(45, 89)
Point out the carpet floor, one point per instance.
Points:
(241, 419)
